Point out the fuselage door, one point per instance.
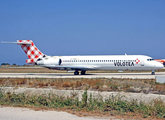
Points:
(60, 61)
(142, 62)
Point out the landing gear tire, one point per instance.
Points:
(76, 72)
(83, 72)
(153, 72)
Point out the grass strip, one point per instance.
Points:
(155, 109)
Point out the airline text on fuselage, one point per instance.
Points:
(123, 63)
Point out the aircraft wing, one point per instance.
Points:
(76, 67)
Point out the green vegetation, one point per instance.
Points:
(5, 64)
(113, 105)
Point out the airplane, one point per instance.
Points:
(89, 62)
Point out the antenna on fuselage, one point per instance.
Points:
(125, 53)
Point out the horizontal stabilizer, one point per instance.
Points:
(9, 42)
(19, 43)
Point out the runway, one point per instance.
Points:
(146, 75)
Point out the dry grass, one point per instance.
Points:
(99, 84)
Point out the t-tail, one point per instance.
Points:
(30, 49)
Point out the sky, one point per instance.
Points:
(83, 27)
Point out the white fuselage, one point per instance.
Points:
(102, 62)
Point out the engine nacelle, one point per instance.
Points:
(49, 61)
(52, 62)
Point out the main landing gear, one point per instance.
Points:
(77, 72)
(153, 72)
(83, 72)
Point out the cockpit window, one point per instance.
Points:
(150, 59)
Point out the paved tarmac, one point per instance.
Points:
(145, 75)
(14, 113)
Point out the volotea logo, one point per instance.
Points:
(137, 61)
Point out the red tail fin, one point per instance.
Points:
(31, 50)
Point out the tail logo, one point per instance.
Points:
(31, 50)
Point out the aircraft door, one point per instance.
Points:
(60, 61)
(142, 62)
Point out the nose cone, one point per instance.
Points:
(159, 65)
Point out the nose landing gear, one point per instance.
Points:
(153, 72)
